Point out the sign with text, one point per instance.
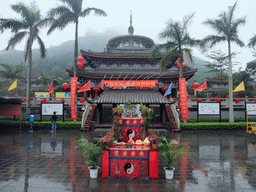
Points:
(49, 108)
(208, 108)
(251, 108)
(183, 98)
(40, 95)
(62, 94)
(139, 83)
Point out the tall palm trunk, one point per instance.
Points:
(76, 50)
(230, 86)
(180, 62)
(29, 69)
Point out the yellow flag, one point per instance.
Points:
(13, 85)
(239, 87)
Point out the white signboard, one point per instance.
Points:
(208, 108)
(251, 108)
(49, 108)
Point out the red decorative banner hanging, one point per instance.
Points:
(138, 83)
(73, 97)
(183, 98)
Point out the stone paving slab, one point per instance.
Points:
(42, 162)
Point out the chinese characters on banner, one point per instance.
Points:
(73, 97)
(138, 83)
(183, 98)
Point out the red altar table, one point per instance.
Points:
(140, 162)
(130, 127)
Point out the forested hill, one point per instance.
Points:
(60, 57)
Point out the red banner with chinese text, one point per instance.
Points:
(183, 98)
(73, 97)
(139, 83)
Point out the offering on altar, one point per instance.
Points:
(130, 141)
(122, 143)
(146, 141)
(139, 142)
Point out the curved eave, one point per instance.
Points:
(136, 96)
(97, 74)
(131, 36)
(109, 56)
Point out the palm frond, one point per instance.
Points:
(17, 38)
(96, 11)
(28, 14)
(212, 40)
(61, 22)
(60, 11)
(42, 47)
(252, 41)
(188, 54)
(13, 24)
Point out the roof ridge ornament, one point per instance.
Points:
(130, 29)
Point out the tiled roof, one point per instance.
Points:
(121, 96)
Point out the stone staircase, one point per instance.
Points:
(87, 116)
(173, 117)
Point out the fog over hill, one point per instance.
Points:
(58, 58)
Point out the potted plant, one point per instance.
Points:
(117, 111)
(129, 108)
(170, 153)
(147, 113)
(91, 152)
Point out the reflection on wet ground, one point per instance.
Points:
(41, 161)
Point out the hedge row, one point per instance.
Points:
(213, 126)
(4, 124)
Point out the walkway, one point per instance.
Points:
(45, 162)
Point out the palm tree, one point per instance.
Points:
(70, 13)
(28, 26)
(227, 28)
(11, 72)
(177, 38)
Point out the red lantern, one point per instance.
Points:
(81, 59)
(90, 96)
(44, 100)
(179, 60)
(246, 97)
(80, 64)
(25, 99)
(195, 85)
(79, 87)
(237, 100)
(81, 100)
(65, 85)
(34, 95)
(170, 96)
(8, 95)
(189, 96)
(227, 96)
(96, 89)
(199, 100)
(183, 65)
(208, 96)
(62, 99)
(15, 95)
(164, 89)
(53, 96)
(255, 100)
(218, 100)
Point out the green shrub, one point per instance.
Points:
(213, 126)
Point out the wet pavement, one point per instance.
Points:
(44, 162)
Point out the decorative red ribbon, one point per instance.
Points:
(73, 97)
(183, 98)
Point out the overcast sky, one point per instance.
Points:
(149, 19)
